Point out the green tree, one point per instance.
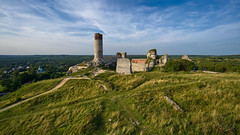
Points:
(186, 65)
(178, 65)
(172, 66)
(7, 85)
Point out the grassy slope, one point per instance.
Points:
(133, 104)
(27, 91)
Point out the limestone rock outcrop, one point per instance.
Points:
(152, 55)
(185, 57)
(163, 60)
(76, 68)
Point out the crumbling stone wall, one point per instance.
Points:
(123, 66)
(139, 65)
(121, 54)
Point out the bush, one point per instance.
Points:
(186, 65)
(172, 66)
(178, 65)
(7, 85)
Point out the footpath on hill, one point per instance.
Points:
(97, 72)
(53, 89)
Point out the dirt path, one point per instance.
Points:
(55, 88)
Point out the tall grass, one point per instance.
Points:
(28, 90)
(133, 104)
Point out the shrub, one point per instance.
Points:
(172, 66)
(178, 65)
(186, 65)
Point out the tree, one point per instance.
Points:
(172, 66)
(186, 65)
(178, 65)
(7, 85)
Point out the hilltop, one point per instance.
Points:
(128, 104)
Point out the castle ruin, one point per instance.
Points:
(98, 50)
(123, 64)
(121, 54)
(137, 65)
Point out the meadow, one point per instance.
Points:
(27, 91)
(132, 104)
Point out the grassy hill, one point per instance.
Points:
(27, 91)
(132, 104)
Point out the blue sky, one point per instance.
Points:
(205, 27)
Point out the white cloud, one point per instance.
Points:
(141, 27)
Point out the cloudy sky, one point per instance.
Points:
(205, 27)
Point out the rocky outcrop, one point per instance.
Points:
(152, 55)
(163, 60)
(76, 68)
(185, 57)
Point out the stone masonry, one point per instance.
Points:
(139, 65)
(123, 66)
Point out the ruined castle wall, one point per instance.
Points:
(124, 54)
(138, 65)
(150, 65)
(123, 66)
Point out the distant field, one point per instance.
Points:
(133, 104)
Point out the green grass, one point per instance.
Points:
(28, 90)
(133, 104)
(1, 88)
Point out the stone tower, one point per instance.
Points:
(98, 50)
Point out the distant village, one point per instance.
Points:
(39, 70)
(123, 64)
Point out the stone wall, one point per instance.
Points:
(124, 54)
(138, 65)
(121, 54)
(123, 66)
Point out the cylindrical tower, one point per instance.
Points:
(98, 49)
